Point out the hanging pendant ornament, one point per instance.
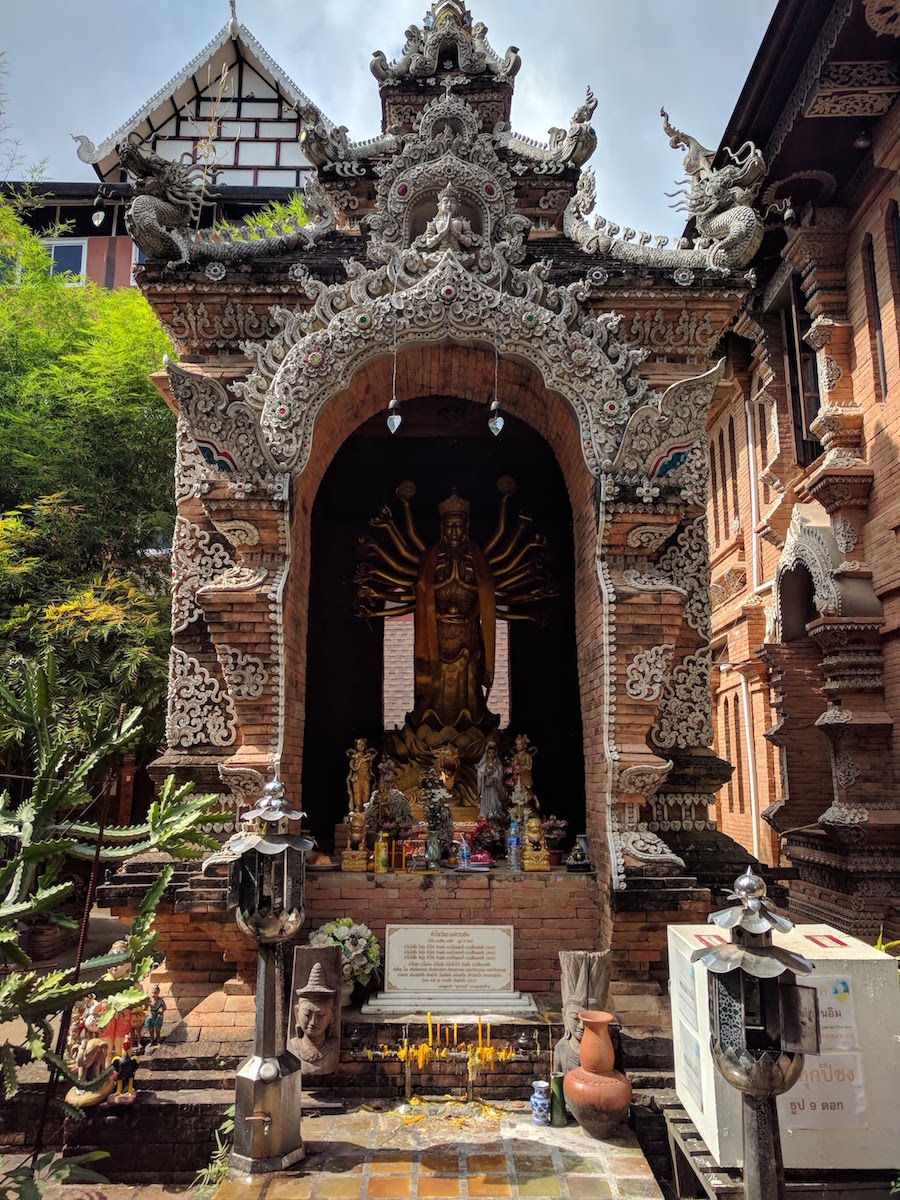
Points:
(394, 419)
(495, 421)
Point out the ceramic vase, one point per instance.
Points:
(433, 851)
(598, 1097)
(540, 1102)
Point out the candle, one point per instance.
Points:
(429, 1029)
(446, 1035)
(437, 1033)
(489, 1033)
(454, 1034)
(479, 1033)
(403, 864)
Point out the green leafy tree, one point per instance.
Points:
(48, 830)
(86, 505)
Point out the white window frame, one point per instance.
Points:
(136, 261)
(79, 278)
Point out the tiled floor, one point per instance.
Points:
(431, 1151)
(436, 1151)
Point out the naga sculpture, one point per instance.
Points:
(719, 200)
(162, 218)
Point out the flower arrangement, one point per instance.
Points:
(361, 954)
(433, 798)
(489, 836)
(554, 828)
(395, 830)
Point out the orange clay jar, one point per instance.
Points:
(597, 1096)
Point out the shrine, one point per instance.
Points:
(450, 403)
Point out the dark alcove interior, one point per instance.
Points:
(441, 444)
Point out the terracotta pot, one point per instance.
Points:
(596, 1052)
(598, 1102)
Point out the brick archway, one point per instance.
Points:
(465, 373)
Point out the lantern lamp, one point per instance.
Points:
(761, 1024)
(266, 887)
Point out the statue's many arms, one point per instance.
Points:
(457, 591)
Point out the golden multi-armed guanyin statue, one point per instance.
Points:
(457, 591)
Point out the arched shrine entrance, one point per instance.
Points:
(443, 444)
(451, 263)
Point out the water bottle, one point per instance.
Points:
(513, 848)
(464, 854)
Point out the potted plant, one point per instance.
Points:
(360, 952)
(554, 830)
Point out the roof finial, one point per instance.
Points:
(233, 27)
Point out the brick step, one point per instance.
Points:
(162, 1082)
(164, 1137)
(657, 1083)
(198, 1056)
(661, 883)
(634, 987)
(657, 1098)
(643, 1048)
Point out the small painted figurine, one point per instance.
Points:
(491, 793)
(522, 762)
(359, 781)
(154, 1021)
(125, 1067)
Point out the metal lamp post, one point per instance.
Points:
(266, 887)
(761, 1024)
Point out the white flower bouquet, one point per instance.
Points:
(361, 954)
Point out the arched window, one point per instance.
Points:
(723, 483)
(762, 424)
(732, 462)
(873, 314)
(738, 755)
(713, 494)
(727, 728)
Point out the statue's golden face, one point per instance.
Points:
(455, 530)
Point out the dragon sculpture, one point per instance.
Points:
(719, 199)
(163, 216)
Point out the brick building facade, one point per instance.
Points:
(802, 443)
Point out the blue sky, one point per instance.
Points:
(76, 67)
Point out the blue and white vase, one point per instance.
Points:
(540, 1102)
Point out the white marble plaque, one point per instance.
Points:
(451, 958)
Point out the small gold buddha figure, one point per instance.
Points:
(536, 856)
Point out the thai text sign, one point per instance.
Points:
(451, 958)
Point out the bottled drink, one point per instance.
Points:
(464, 855)
(514, 848)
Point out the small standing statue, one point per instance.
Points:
(387, 803)
(520, 805)
(359, 780)
(522, 761)
(125, 1067)
(355, 857)
(154, 1022)
(446, 763)
(491, 792)
(112, 1025)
